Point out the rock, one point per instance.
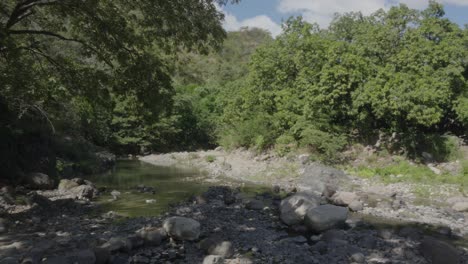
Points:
(182, 228)
(150, 201)
(439, 252)
(40, 181)
(213, 259)
(152, 236)
(356, 206)
(329, 191)
(294, 208)
(115, 194)
(216, 246)
(66, 185)
(254, 205)
(460, 207)
(276, 189)
(434, 169)
(115, 244)
(84, 192)
(358, 258)
(303, 158)
(343, 198)
(325, 217)
(239, 261)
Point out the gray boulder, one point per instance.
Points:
(40, 181)
(294, 208)
(460, 206)
(182, 228)
(325, 217)
(439, 252)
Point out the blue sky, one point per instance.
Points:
(268, 14)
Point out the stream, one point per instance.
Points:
(172, 185)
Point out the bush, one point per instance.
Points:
(210, 158)
(327, 145)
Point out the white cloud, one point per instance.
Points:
(322, 11)
(231, 23)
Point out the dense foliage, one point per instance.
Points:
(399, 72)
(99, 69)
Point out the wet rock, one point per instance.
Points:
(40, 181)
(439, 252)
(356, 206)
(66, 185)
(294, 208)
(254, 205)
(213, 259)
(343, 198)
(325, 217)
(182, 228)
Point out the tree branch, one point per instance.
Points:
(55, 35)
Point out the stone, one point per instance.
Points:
(150, 201)
(216, 246)
(66, 185)
(325, 217)
(460, 207)
(358, 258)
(152, 236)
(304, 158)
(439, 252)
(294, 208)
(39, 180)
(213, 259)
(356, 206)
(343, 198)
(329, 191)
(182, 228)
(115, 244)
(115, 194)
(254, 205)
(84, 192)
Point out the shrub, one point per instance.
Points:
(210, 158)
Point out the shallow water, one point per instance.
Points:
(172, 185)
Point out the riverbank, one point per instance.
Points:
(440, 205)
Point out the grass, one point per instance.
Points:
(210, 158)
(404, 171)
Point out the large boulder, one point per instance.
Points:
(182, 228)
(294, 208)
(439, 252)
(152, 236)
(325, 217)
(40, 181)
(460, 206)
